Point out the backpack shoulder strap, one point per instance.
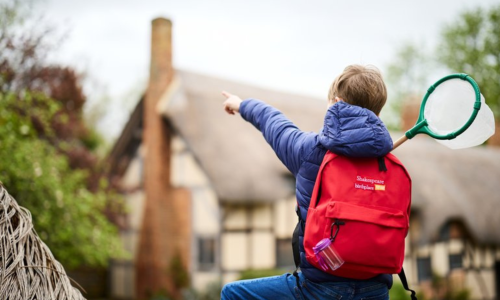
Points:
(301, 223)
(329, 156)
(395, 160)
(402, 276)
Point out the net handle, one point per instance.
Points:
(421, 125)
(400, 141)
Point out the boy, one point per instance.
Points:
(351, 128)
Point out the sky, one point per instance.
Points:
(288, 45)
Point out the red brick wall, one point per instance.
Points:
(409, 113)
(166, 222)
(495, 139)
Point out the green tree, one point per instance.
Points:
(407, 77)
(48, 158)
(471, 44)
(67, 216)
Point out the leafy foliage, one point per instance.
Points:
(48, 160)
(407, 78)
(398, 292)
(67, 216)
(258, 273)
(212, 292)
(471, 44)
(23, 67)
(178, 272)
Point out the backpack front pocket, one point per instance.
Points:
(370, 236)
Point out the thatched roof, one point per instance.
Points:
(447, 184)
(235, 156)
(454, 185)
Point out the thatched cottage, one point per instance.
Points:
(207, 195)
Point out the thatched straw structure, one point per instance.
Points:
(28, 270)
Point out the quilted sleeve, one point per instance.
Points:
(281, 134)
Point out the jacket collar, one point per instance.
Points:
(354, 131)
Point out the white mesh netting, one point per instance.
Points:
(450, 106)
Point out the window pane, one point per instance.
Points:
(206, 253)
(284, 253)
(455, 261)
(424, 268)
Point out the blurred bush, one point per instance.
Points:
(67, 215)
(398, 292)
(48, 158)
(212, 292)
(258, 273)
(471, 44)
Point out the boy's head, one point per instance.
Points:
(360, 85)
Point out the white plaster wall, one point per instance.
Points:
(473, 283)
(261, 217)
(263, 247)
(409, 265)
(205, 223)
(134, 202)
(123, 273)
(489, 258)
(135, 205)
(439, 259)
(201, 280)
(186, 173)
(467, 261)
(477, 257)
(456, 246)
(230, 277)
(235, 251)
(284, 218)
(236, 218)
(205, 212)
(132, 176)
(424, 251)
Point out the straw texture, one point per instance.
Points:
(28, 270)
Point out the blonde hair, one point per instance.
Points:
(362, 86)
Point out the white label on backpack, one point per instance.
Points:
(369, 184)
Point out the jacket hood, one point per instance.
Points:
(354, 131)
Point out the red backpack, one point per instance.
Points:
(363, 206)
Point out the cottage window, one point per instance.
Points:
(206, 253)
(455, 261)
(424, 268)
(284, 254)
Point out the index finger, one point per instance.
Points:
(226, 94)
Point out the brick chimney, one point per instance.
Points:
(409, 112)
(165, 233)
(495, 139)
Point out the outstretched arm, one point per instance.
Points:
(284, 137)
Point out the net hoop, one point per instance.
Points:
(421, 125)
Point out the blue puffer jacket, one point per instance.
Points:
(348, 130)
